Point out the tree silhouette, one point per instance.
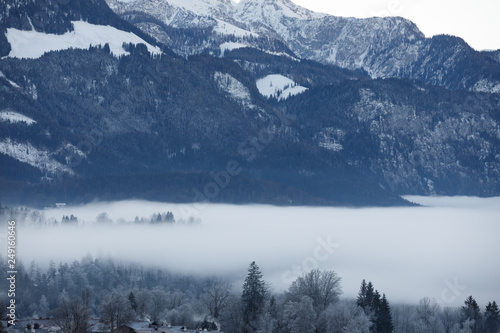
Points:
(492, 318)
(472, 311)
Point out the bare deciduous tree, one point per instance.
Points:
(73, 316)
(217, 297)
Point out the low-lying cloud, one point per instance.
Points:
(448, 250)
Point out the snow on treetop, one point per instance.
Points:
(33, 44)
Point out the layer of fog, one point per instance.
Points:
(448, 250)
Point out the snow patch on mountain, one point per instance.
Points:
(33, 44)
(485, 85)
(229, 46)
(15, 117)
(256, 10)
(233, 87)
(200, 6)
(27, 153)
(279, 87)
(330, 139)
(12, 83)
(225, 28)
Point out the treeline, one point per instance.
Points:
(33, 217)
(116, 293)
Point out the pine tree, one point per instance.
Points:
(384, 317)
(472, 311)
(133, 302)
(370, 294)
(254, 295)
(361, 301)
(492, 318)
(376, 308)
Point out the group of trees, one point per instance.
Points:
(311, 304)
(429, 316)
(376, 307)
(28, 216)
(119, 294)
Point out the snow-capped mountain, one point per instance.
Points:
(383, 47)
(260, 101)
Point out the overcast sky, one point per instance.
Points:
(476, 21)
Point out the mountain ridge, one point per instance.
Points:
(83, 124)
(382, 46)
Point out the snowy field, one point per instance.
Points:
(278, 86)
(448, 250)
(33, 44)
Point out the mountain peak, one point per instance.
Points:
(260, 9)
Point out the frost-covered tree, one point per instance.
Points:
(43, 307)
(115, 310)
(158, 303)
(103, 218)
(343, 316)
(143, 299)
(323, 287)
(174, 299)
(300, 316)
(360, 323)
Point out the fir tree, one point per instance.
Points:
(361, 301)
(384, 317)
(133, 302)
(254, 295)
(472, 311)
(492, 318)
(376, 308)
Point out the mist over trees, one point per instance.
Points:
(117, 293)
(35, 217)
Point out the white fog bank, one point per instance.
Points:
(448, 250)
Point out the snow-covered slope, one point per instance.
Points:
(272, 12)
(225, 28)
(32, 44)
(216, 8)
(233, 87)
(12, 83)
(279, 87)
(38, 158)
(229, 46)
(15, 117)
